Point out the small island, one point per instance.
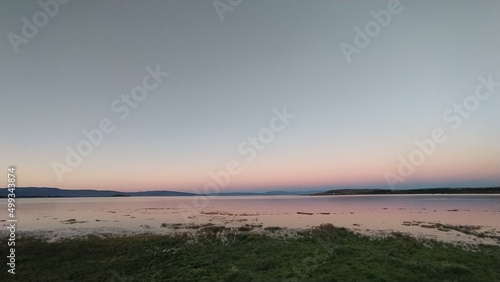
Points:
(484, 190)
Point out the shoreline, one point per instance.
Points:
(52, 192)
(465, 235)
(434, 218)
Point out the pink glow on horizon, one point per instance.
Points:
(308, 173)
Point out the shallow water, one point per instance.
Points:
(61, 217)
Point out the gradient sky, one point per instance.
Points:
(353, 120)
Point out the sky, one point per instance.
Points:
(250, 95)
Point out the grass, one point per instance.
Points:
(215, 253)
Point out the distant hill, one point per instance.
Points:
(269, 193)
(47, 192)
(483, 190)
(43, 192)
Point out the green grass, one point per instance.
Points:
(321, 254)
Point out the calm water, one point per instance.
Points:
(80, 216)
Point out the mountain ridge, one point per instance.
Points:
(50, 192)
(53, 192)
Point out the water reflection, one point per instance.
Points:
(369, 213)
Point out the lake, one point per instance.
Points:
(430, 216)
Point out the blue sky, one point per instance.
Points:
(353, 120)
